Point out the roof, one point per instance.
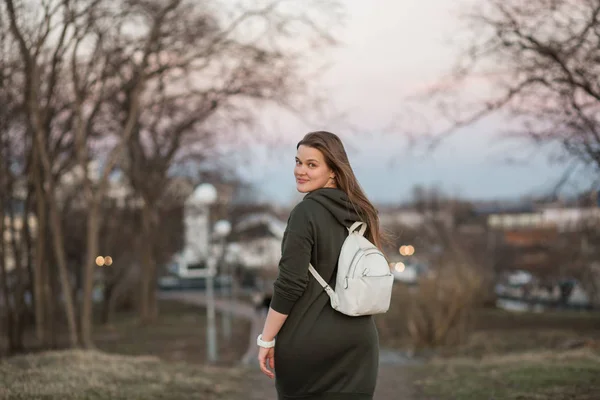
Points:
(261, 222)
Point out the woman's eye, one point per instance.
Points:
(297, 162)
(311, 165)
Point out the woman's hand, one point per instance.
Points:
(266, 358)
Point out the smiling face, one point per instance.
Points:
(311, 171)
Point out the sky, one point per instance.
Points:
(390, 50)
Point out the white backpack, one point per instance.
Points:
(364, 281)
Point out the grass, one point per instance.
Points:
(76, 374)
(500, 332)
(551, 355)
(493, 318)
(179, 334)
(509, 356)
(515, 341)
(163, 360)
(571, 374)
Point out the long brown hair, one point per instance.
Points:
(337, 160)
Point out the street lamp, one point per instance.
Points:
(222, 228)
(204, 196)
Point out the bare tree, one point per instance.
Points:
(538, 63)
(12, 274)
(181, 63)
(7, 311)
(40, 77)
(12, 250)
(163, 80)
(18, 198)
(201, 92)
(98, 76)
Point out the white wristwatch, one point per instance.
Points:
(262, 343)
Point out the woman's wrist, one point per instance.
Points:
(267, 344)
(267, 338)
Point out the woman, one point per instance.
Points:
(318, 352)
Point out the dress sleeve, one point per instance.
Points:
(296, 252)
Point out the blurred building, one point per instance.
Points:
(542, 239)
(545, 218)
(413, 218)
(256, 241)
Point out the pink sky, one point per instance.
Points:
(390, 50)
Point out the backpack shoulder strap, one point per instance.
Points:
(325, 285)
(314, 272)
(355, 225)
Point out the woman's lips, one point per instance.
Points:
(301, 180)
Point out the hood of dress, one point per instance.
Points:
(337, 203)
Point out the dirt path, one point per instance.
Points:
(393, 382)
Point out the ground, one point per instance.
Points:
(77, 374)
(509, 356)
(178, 335)
(569, 374)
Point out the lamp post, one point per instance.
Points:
(205, 195)
(222, 229)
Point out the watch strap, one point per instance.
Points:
(264, 344)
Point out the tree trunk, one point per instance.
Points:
(52, 298)
(148, 303)
(39, 281)
(88, 274)
(14, 320)
(18, 310)
(106, 298)
(6, 320)
(121, 286)
(13, 291)
(115, 284)
(65, 283)
(36, 116)
(153, 275)
(28, 242)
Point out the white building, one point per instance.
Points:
(412, 218)
(257, 241)
(563, 219)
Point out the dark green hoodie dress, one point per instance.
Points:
(320, 353)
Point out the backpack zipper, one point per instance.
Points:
(357, 257)
(357, 254)
(374, 276)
